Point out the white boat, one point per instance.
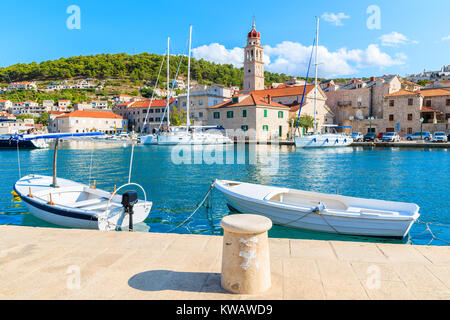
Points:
(323, 140)
(196, 136)
(75, 205)
(23, 141)
(71, 204)
(148, 139)
(320, 212)
(316, 139)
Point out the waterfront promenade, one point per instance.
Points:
(42, 263)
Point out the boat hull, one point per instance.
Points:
(323, 141)
(323, 222)
(192, 139)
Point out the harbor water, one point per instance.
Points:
(176, 187)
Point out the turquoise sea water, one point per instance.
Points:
(409, 175)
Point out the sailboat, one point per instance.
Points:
(71, 204)
(321, 139)
(188, 135)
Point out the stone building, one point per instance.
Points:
(292, 98)
(252, 117)
(355, 102)
(89, 121)
(137, 112)
(403, 110)
(201, 97)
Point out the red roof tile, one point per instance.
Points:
(250, 100)
(91, 114)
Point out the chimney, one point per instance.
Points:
(372, 78)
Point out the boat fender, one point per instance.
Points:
(319, 208)
(314, 140)
(337, 141)
(326, 140)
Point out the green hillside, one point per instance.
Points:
(137, 68)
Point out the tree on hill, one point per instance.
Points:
(138, 68)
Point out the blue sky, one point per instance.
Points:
(412, 35)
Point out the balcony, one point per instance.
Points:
(344, 103)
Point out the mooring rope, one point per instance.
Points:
(18, 159)
(197, 207)
(428, 229)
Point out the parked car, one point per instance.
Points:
(370, 136)
(380, 135)
(440, 136)
(390, 137)
(357, 136)
(419, 135)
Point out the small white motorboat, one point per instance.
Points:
(71, 204)
(76, 205)
(321, 212)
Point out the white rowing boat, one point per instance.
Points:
(321, 212)
(75, 205)
(71, 204)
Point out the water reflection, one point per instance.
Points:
(176, 189)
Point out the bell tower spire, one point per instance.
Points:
(253, 61)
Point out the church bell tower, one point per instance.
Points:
(253, 62)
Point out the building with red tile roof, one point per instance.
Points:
(88, 121)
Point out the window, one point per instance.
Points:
(410, 117)
(244, 113)
(151, 120)
(200, 102)
(230, 114)
(216, 115)
(184, 103)
(244, 128)
(391, 117)
(391, 103)
(428, 103)
(144, 111)
(280, 114)
(265, 128)
(447, 103)
(157, 111)
(265, 113)
(151, 110)
(390, 129)
(200, 114)
(235, 99)
(410, 102)
(409, 130)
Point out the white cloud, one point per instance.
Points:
(292, 58)
(394, 39)
(447, 38)
(218, 53)
(335, 19)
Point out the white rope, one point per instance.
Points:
(131, 162)
(170, 94)
(196, 209)
(153, 93)
(90, 167)
(18, 159)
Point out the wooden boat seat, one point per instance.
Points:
(85, 203)
(102, 205)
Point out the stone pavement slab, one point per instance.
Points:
(44, 263)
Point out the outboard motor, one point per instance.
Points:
(129, 199)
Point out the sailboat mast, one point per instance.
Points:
(168, 83)
(315, 81)
(188, 120)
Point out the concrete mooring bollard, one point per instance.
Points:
(245, 257)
